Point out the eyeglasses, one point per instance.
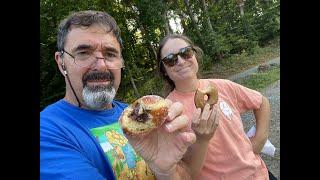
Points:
(172, 59)
(87, 57)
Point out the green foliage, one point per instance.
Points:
(206, 63)
(258, 81)
(237, 63)
(153, 86)
(142, 24)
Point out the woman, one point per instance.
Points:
(223, 151)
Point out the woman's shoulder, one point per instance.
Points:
(219, 82)
(224, 86)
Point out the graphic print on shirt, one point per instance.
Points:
(225, 108)
(125, 163)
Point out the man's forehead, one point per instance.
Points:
(98, 28)
(92, 36)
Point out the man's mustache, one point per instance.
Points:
(97, 76)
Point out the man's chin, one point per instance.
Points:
(98, 98)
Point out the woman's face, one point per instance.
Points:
(184, 68)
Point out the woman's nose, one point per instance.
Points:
(180, 60)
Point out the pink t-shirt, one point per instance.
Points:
(229, 155)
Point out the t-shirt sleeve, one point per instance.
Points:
(59, 159)
(247, 99)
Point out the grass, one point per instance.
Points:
(239, 62)
(259, 81)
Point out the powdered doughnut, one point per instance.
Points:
(144, 115)
(199, 98)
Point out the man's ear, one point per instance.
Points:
(60, 63)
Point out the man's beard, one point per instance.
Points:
(98, 97)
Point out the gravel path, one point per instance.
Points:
(253, 70)
(272, 92)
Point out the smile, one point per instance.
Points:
(98, 80)
(182, 69)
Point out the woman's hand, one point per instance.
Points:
(205, 123)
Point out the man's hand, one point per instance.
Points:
(205, 123)
(164, 147)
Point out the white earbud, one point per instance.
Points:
(64, 67)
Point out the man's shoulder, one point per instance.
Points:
(52, 110)
(49, 109)
(53, 115)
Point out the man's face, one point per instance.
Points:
(97, 83)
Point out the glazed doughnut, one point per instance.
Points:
(144, 115)
(199, 97)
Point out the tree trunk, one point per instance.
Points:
(133, 83)
(143, 32)
(241, 11)
(241, 6)
(136, 92)
(183, 22)
(193, 20)
(205, 10)
(165, 18)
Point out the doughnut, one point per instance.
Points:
(199, 97)
(144, 115)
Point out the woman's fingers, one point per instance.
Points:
(208, 120)
(215, 116)
(196, 116)
(211, 118)
(204, 116)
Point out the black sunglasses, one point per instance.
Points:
(172, 59)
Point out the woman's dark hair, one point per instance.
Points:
(169, 84)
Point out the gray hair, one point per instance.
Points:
(86, 19)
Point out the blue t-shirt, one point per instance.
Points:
(75, 142)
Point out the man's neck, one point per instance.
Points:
(71, 100)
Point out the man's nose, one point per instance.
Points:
(100, 64)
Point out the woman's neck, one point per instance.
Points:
(189, 85)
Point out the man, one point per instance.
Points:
(79, 135)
